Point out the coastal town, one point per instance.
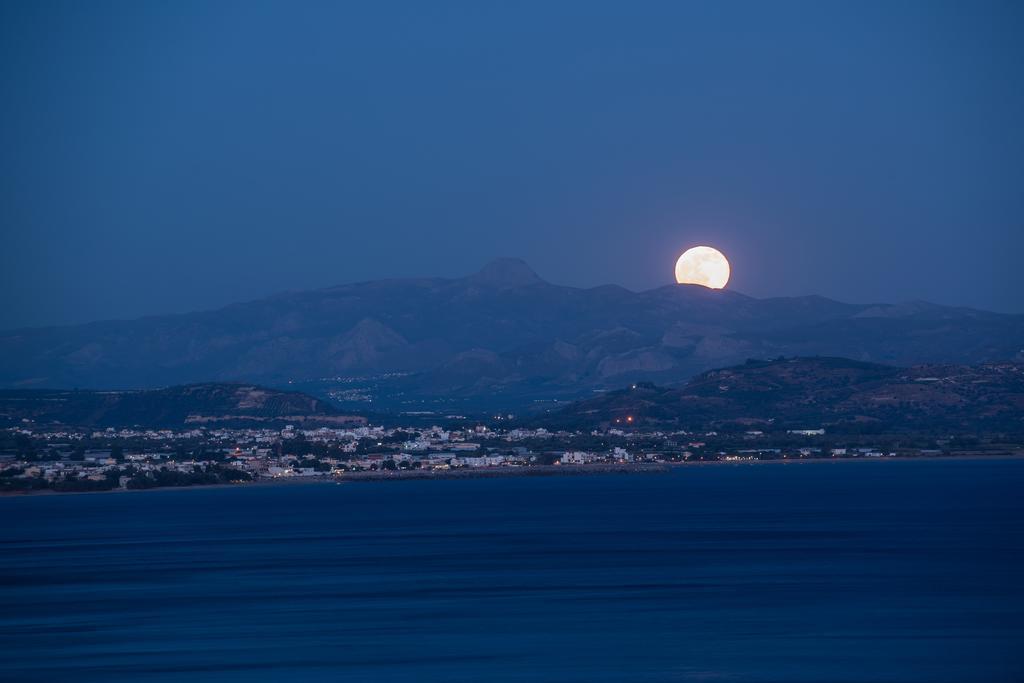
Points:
(34, 459)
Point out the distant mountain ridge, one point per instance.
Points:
(501, 335)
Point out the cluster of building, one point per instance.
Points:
(130, 457)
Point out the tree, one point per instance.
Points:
(24, 446)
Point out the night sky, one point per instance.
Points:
(162, 157)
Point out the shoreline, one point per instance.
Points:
(523, 471)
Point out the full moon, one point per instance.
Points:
(702, 266)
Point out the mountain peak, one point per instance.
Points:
(506, 272)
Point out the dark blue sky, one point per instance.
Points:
(168, 156)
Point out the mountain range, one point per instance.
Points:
(502, 336)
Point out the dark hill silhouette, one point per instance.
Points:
(191, 405)
(809, 393)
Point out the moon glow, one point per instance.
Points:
(703, 266)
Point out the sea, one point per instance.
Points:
(839, 571)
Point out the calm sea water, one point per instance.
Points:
(850, 571)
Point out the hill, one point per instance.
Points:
(841, 395)
(501, 337)
(197, 405)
